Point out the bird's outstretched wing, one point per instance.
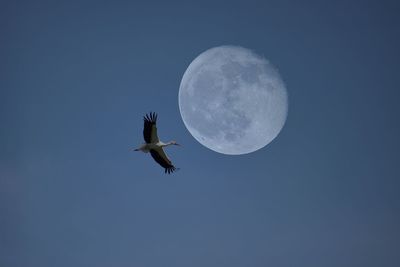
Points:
(150, 128)
(161, 158)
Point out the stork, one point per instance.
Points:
(154, 145)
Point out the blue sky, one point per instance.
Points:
(77, 77)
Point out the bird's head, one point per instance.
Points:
(174, 143)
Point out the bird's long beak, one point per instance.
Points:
(178, 144)
(134, 149)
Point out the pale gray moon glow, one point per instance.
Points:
(232, 100)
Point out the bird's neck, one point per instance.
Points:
(166, 144)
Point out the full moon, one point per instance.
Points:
(232, 100)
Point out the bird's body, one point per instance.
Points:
(154, 145)
(149, 146)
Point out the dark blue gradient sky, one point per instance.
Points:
(76, 78)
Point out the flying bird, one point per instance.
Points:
(154, 145)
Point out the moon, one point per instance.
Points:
(232, 100)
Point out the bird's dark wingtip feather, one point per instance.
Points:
(170, 170)
(150, 117)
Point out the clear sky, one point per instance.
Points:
(77, 77)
